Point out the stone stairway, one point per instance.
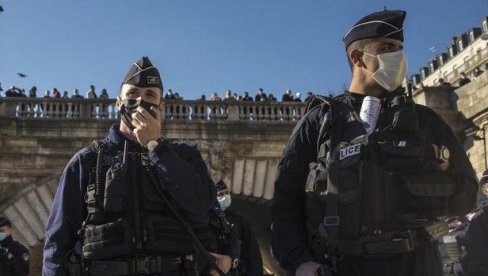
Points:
(29, 210)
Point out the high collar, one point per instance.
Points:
(357, 99)
(117, 139)
(8, 240)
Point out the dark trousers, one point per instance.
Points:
(423, 261)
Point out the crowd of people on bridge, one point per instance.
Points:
(259, 97)
(14, 91)
(91, 93)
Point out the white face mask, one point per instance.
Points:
(224, 201)
(392, 69)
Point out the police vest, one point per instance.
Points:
(127, 215)
(360, 184)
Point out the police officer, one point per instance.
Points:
(133, 204)
(475, 241)
(367, 175)
(250, 261)
(14, 257)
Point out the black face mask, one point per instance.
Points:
(129, 107)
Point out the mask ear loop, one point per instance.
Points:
(368, 54)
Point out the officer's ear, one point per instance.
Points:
(119, 102)
(356, 58)
(161, 105)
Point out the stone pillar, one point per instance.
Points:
(233, 112)
(8, 108)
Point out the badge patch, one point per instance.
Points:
(152, 80)
(350, 151)
(25, 256)
(401, 144)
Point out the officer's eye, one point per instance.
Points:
(151, 94)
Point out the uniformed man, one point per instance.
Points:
(133, 204)
(14, 257)
(249, 262)
(475, 262)
(367, 176)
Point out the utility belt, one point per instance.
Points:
(141, 265)
(385, 245)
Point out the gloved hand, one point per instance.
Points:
(4, 254)
(307, 269)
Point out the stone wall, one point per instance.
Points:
(243, 149)
(473, 104)
(241, 143)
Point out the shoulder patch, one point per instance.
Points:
(25, 257)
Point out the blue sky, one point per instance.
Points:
(202, 46)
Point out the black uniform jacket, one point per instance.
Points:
(189, 185)
(14, 258)
(288, 202)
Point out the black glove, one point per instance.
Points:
(4, 253)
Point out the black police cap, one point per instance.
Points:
(143, 74)
(5, 222)
(388, 24)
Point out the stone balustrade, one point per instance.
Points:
(105, 109)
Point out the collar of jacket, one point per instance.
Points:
(116, 139)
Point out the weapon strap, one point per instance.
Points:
(198, 245)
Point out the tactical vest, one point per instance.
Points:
(360, 185)
(127, 215)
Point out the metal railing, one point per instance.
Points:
(105, 109)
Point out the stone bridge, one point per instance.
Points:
(240, 142)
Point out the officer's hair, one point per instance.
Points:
(362, 44)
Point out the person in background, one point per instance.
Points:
(104, 94)
(477, 71)
(246, 97)
(287, 96)
(261, 96)
(475, 260)
(12, 92)
(271, 98)
(33, 92)
(56, 93)
(298, 97)
(91, 94)
(14, 257)
(309, 96)
(215, 97)
(250, 261)
(464, 79)
(76, 94)
(228, 96)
